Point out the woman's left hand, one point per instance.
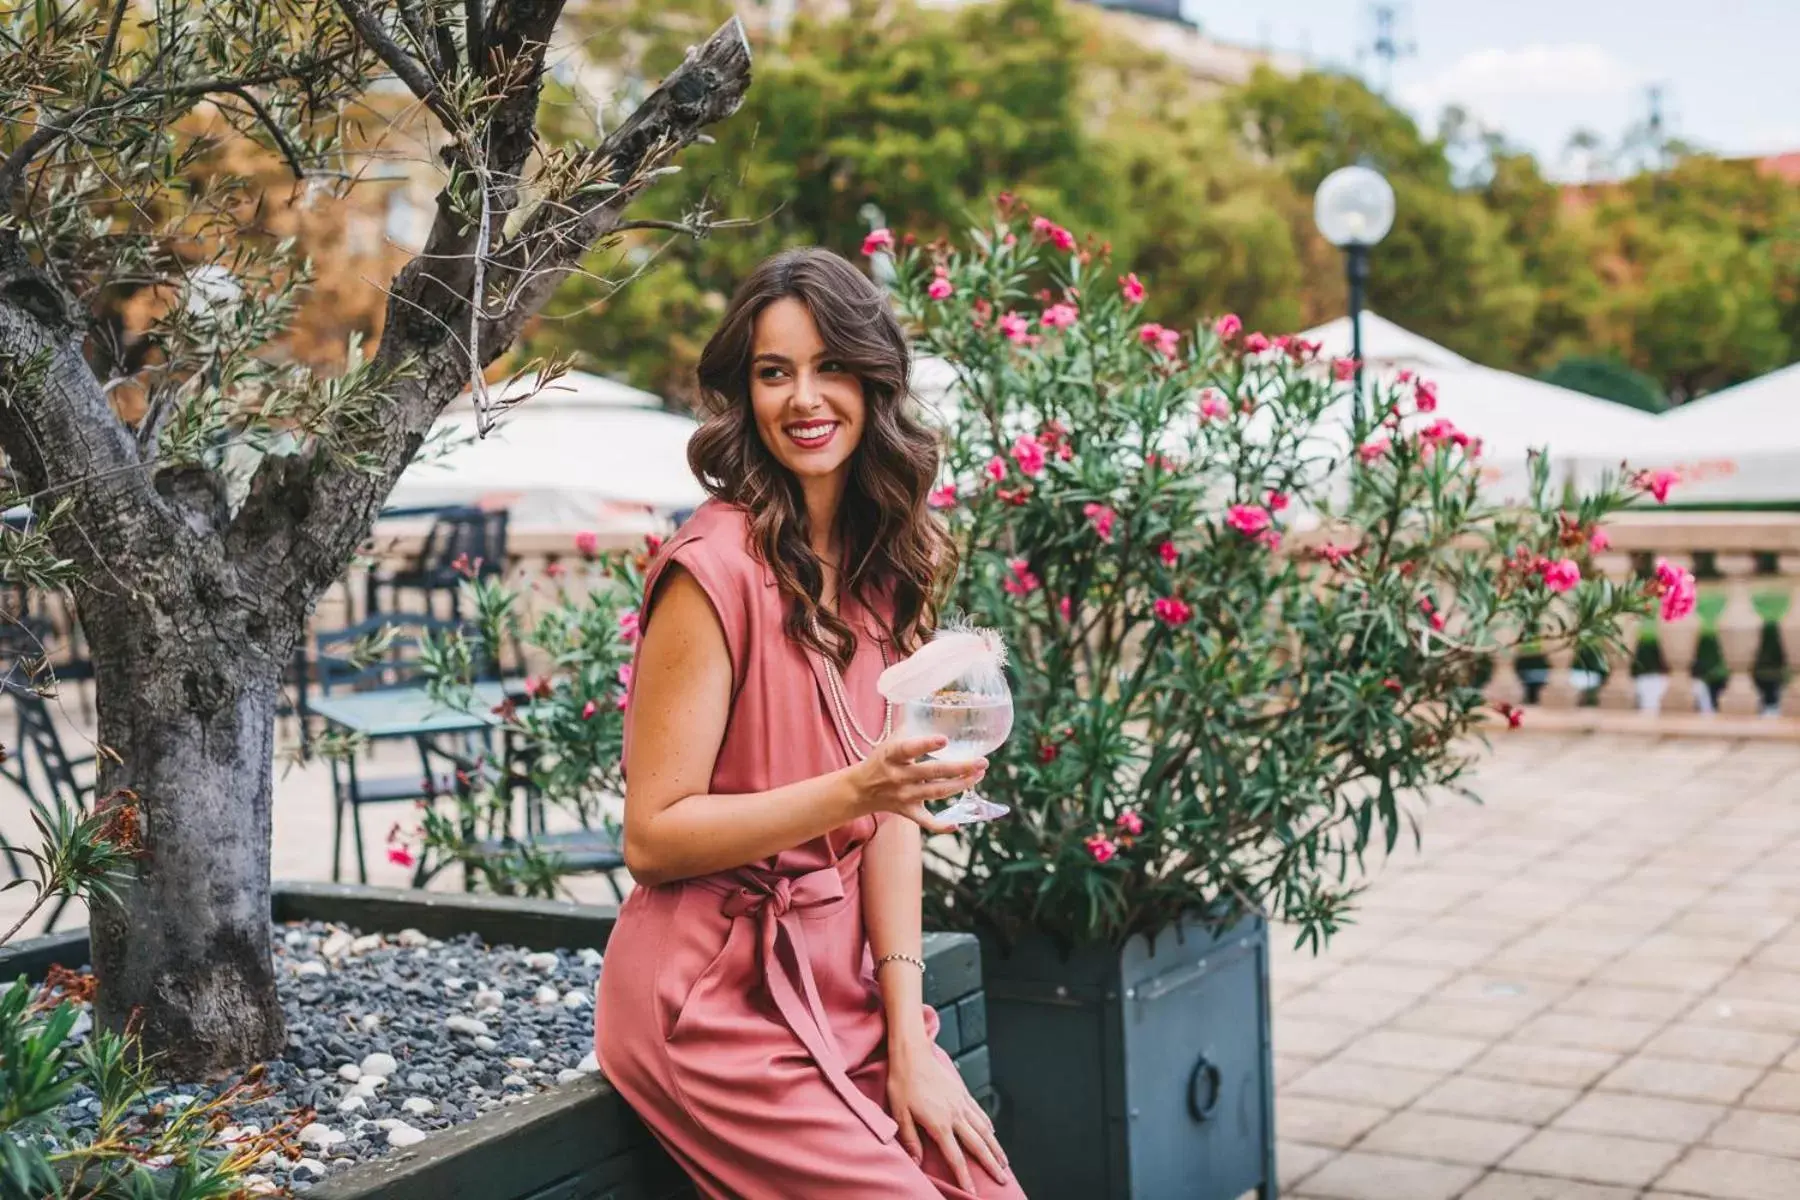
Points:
(925, 1095)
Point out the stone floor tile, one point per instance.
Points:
(1289, 1067)
(1391, 978)
(1654, 1117)
(1680, 1079)
(1294, 1162)
(1448, 1018)
(1553, 1066)
(1780, 956)
(1318, 1122)
(1355, 1176)
(1631, 1003)
(1504, 1185)
(1775, 1134)
(1701, 949)
(1769, 1016)
(1708, 1043)
(1593, 1157)
(1760, 983)
(1421, 1051)
(1329, 1002)
(1739, 925)
(1497, 1099)
(1363, 1083)
(1733, 1175)
(1443, 1138)
(1429, 948)
(1639, 969)
(1310, 1039)
(1544, 962)
(1618, 1034)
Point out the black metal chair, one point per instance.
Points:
(59, 785)
(396, 665)
(463, 543)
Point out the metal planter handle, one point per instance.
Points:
(1204, 1088)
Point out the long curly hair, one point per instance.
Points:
(895, 547)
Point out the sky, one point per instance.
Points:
(1538, 70)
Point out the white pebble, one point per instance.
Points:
(366, 1087)
(405, 1135)
(418, 1106)
(387, 1123)
(366, 943)
(421, 955)
(542, 962)
(519, 1062)
(380, 1064)
(568, 1075)
(269, 1159)
(296, 938)
(84, 1024)
(320, 1135)
(311, 969)
(260, 1185)
(311, 1166)
(470, 1026)
(486, 998)
(354, 1102)
(547, 994)
(350, 1073)
(335, 945)
(589, 956)
(590, 1063)
(575, 999)
(411, 938)
(177, 1100)
(454, 985)
(370, 1022)
(515, 1081)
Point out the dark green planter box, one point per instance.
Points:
(578, 1141)
(1141, 1072)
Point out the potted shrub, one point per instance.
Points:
(1247, 633)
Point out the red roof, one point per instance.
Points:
(1785, 166)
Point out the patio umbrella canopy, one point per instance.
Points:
(1739, 445)
(573, 456)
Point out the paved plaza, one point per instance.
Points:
(1587, 988)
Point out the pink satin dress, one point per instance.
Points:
(738, 1013)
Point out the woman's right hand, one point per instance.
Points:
(892, 779)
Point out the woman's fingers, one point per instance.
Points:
(950, 770)
(974, 1136)
(948, 1140)
(984, 1126)
(908, 1135)
(919, 815)
(908, 750)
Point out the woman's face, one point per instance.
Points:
(808, 407)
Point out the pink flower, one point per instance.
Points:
(1599, 541)
(940, 289)
(944, 497)
(1373, 450)
(880, 239)
(1677, 589)
(1059, 316)
(1343, 369)
(1168, 553)
(1658, 483)
(1020, 581)
(1130, 822)
(588, 710)
(1102, 518)
(1515, 716)
(1277, 501)
(1064, 606)
(1255, 343)
(1014, 328)
(1212, 404)
(628, 626)
(1270, 540)
(1403, 376)
(1431, 613)
(1334, 553)
(1028, 452)
(1055, 234)
(1131, 289)
(1248, 519)
(400, 856)
(1227, 327)
(1164, 341)
(995, 469)
(1171, 610)
(587, 543)
(625, 673)
(1441, 431)
(1561, 575)
(538, 687)
(1425, 396)
(555, 569)
(1101, 848)
(652, 543)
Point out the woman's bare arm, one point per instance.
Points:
(681, 701)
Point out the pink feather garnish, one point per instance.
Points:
(951, 655)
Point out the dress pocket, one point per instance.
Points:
(693, 919)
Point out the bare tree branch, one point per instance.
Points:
(475, 33)
(268, 122)
(411, 72)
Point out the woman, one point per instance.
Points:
(761, 1003)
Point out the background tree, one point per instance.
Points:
(194, 575)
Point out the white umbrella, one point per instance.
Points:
(1384, 344)
(1740, 445)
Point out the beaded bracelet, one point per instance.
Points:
(887, 958)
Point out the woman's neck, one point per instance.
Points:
(822, 496)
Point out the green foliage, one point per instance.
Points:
(1246, 639)
(1608, 379)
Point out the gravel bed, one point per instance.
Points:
(391, 1037)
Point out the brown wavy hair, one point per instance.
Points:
(895, 547)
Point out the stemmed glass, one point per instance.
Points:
(973, 709)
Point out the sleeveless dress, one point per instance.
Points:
(738, 1012)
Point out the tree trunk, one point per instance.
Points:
(186, 697)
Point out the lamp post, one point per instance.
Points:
(1354, 209)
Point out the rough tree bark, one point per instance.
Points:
(191, 610)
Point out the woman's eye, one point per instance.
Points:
(832, 366)
(769, 374)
